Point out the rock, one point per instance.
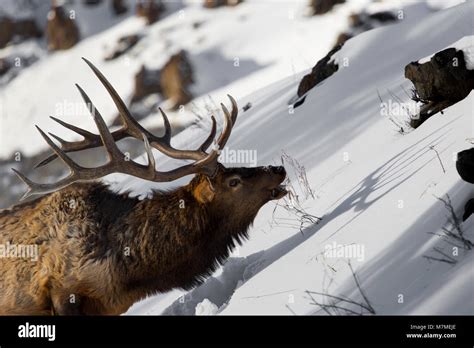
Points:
(320, 7)
(150, 9)
(440, 82)
(146, 82)
(6, 31)
(25, 28)
(465, 168)
(383, 16)
(363, 21)
(119, 7)
(12, 65)
(61, 31)
(341, 38)
(124, 44)
(465, 165)
(468, 209)
(92, 2)
(219, 3)
(4, 66)
(321, 71)
(175, 79)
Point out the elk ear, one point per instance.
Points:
(204, 192)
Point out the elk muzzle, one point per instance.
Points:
(278, 174)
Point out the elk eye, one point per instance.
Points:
(234, 182)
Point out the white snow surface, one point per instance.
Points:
(374, 188)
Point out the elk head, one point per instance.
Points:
(237, 190)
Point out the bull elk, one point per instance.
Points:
(105, 251)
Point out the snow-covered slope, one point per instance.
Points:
(375, 188)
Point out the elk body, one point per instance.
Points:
(99, 251)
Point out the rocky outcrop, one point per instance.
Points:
(12, 65)
(321, 71)
(61, 31)
(439, 83)
(92, 2)
(4, 66)
(465, 168)
(119, 7)
(151, 10)
(123, 45)
(465, 165)
(320, 7)
(175, 79)
(363, 21)
(219, 3)
(21, 29)
(147, 82)
(171, 82)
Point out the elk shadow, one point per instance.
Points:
(394, 172)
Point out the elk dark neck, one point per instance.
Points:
(176, 242)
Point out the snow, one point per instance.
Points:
(374, 187)
(206, 307)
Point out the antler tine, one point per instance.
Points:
(227, 129)
(105, 135)
(204, 163)
(230, 119)
(167, 136)
(235, 109)
(128, 120)
(73, 166)
(204, 146)
(134, 129)
(149, 153)
(86, 134)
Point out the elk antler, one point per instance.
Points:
(205, 163)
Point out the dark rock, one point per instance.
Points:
(383, 16)
(92, 2)
(150, 9)
(468, 209)
(12, 65)
(320, 7)
(465, 165)
(119, 7)
(439, 83)
(6, 31)
(124, 44)
(247, 106)
(4, 66)
(147, 82)
(27, 28)
(218, 3)
(22, 29)
(176, 78)
(321, 71)
(363, 21)
(61, 31)
(444, 77)
(341, 38)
